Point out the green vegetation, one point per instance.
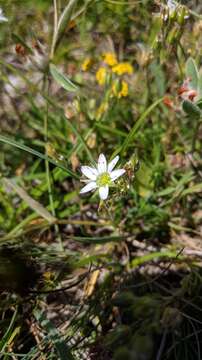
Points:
(94, 275)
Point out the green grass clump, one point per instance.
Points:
(81, 277)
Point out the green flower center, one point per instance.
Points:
(103, 179)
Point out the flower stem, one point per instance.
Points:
(48, 178)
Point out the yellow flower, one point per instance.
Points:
(123, 68)
(122, 91)
(101, 110)
(86, 64)
(101, 75)
(48, 275)
(110, 59)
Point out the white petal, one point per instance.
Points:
(3, 18)
(103, 192)
(90, 186)
(89, 172)
(113, 163)
(116, 173)
(102, 164)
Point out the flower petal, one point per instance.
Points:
(102, 164)
(103, 192)
(2, 17)
(90, 186)
(116, 173)
(89, 172)
(113, 163)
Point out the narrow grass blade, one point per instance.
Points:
(98, 240)
(8, 334)
(138, 124)
(34, 205)
(154, 256)
(111, 130)
(18, 145)
(66, 16)
(62, 24)
(197, 188)
(82, 141)
(72, 127)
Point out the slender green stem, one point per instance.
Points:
(199, 16)
(21, 229)
(108, 212)
(48, 178)
(54, 29)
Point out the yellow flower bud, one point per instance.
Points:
(85, 66)
(101, 75)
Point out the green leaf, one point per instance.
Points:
(192, 72)
(191, 109)
(197, 188)
(200, 86)
(169, 190)
(62, 80)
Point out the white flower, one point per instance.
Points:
(101, 177)
(173, 7)
(2, 17)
